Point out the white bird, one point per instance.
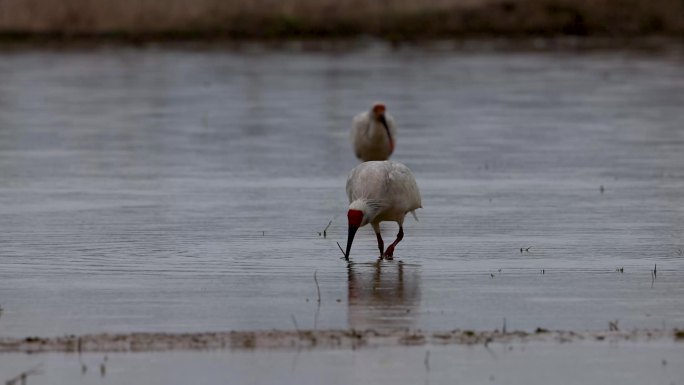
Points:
(380, 191)
(373, 134)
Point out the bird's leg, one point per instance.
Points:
(381, 244)
(390, 249)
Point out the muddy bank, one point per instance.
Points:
(392, 20)
(309, 339)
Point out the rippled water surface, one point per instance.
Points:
(165, 189)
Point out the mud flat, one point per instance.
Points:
(309, 339)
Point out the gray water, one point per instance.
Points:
(580, 363)
(171, 189)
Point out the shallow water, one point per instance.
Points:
(167, 189)
(658, 362)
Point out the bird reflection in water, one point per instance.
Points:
(383, 295)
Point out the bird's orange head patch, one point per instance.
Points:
(379, 109)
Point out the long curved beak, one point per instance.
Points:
(382, 120)
(387, 130)
(350, 239)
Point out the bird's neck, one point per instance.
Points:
(376, 129)
(369, 207)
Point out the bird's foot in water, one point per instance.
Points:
(389, 253)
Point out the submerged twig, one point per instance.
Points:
(294, 321)
(318, 310)
(318, 289)
(21, 377)
(345, 255)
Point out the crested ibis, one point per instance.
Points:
(373, 134)
(380, 191)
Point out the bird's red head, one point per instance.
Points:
(379, 109)
(355, 217)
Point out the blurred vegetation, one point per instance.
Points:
(389, 19)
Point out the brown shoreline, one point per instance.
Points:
(655, 44)
(391, 20)
(310, 339)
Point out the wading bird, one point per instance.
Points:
(373, 134)
(380, 191)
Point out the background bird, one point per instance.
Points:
(373, 134)
(380, 191)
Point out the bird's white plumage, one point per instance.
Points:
(369, 138)
(384, 191)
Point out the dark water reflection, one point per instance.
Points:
(383, 295)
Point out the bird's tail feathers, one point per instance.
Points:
(413, 212)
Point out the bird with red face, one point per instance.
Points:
(373, 134)
(380, 191)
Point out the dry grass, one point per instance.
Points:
(394, 19)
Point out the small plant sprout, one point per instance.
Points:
(325, 230)
(613, 326)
